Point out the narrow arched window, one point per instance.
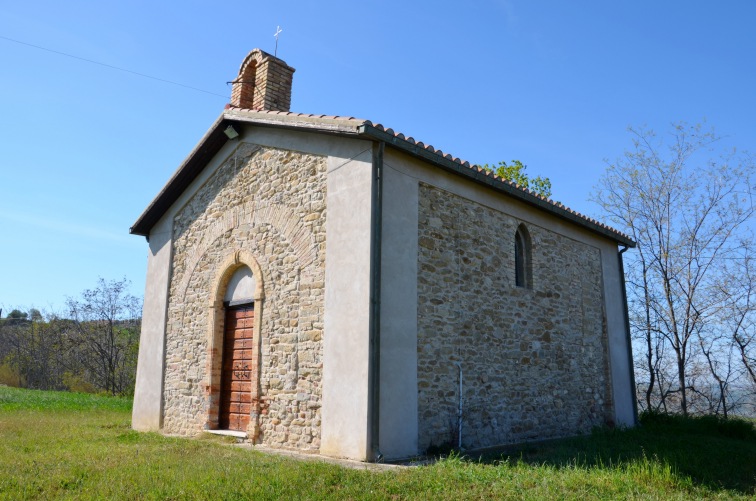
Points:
(523, 261)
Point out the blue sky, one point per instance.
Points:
(84, 148)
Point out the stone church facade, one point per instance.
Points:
(327, 285)
(253, 193)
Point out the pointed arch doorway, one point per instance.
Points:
(236, 309)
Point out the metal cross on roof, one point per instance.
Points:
(278, 32)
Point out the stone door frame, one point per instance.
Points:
(217, 311)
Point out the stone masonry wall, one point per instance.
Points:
(270, 203)
(534, 361)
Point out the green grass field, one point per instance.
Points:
(75, 446)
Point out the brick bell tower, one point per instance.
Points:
(263, 83)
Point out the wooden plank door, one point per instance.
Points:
(236, 372)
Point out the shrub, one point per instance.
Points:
(77, 383)
(10, 376)
(733, 427)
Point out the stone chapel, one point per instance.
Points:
(330, 285)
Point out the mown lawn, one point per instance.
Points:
(74, 446)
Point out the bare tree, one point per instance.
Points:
(719, 357)
(31, 348)
(94, 351)
(106, 321)
(687, 212)
(738, 313)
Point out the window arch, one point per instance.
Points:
(523, 258)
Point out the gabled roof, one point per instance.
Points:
(214, 139)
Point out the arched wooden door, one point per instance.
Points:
(237, 367)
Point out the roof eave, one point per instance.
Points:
(213, 141)
(481, 177)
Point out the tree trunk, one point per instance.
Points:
(649, 341)
(681, 380)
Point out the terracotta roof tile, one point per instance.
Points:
(440, 154)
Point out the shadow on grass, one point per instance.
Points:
(712, 452)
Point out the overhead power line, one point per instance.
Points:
(113, 67)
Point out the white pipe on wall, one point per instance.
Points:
(459, 409)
